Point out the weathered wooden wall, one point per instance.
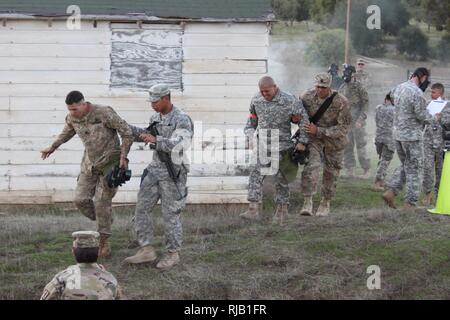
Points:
(39, 65)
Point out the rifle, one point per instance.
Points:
(165, 158)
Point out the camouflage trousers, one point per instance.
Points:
(433, 163)
(386, 155)
(255, 184)
(410, 171)
(93, 197)
(158, 186)
(356, 137)
(330, 159)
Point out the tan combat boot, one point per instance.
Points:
(168, 261)
(104, 250)
(307, 209)
(389, 198)
(324, 208)
(378, 185)
(428, 200)
(252, 213)
(281, 214)
(144, 255)
(365, 175)
(408, 207)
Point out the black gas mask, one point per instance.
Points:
(424, 85)
(348, 73)
(333, 70)
(419, 73)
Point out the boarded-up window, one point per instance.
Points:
(142, 57)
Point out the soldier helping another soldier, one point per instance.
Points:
(169, 134)
(99, 128)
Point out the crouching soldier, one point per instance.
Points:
(169, 134)
(86, 280)
(99, 128)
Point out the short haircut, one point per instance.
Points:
(420, 72)
(266, 81)
(389, 98)
(86, 255)
(74, 97)
(438, 86)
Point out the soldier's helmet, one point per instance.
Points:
(323, 80)
(158, 91)
(85, 239)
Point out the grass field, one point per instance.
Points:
(226, 258)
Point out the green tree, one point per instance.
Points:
(326, 48)
(285, 10)
(443, 48)
(413, 42)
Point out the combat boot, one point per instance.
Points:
(307, 209)
(365, 175)
(378, 185)
(168, 261)
(104, 250)
(252, 213)
(144, 255)
(324, 208)
(281, 214)
(428, 200)
(408, 207)
(389, 198)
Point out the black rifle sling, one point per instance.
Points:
(323, 108)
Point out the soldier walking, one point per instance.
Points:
(330, 123)
(271, 113)
(86, 280)
(358, 102)
(409, 118)
(384, 141)
(99, 128)
(172, 134)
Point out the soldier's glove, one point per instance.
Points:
(117, 176)
(300, 157)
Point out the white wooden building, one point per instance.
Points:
(212, 54)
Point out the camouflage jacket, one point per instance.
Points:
(384, 120)
(358, 101)
(410, 112)
(433, 134)
(445, 117)
(363, 77)
(83, 281)
(277, 115)
(98, 132)
(335, 123)
(176, 130)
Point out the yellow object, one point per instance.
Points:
(443, 199)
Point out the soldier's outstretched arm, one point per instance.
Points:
(67, 134)
(343, 127)
(420, 109)
(114, 121)
(299, 110)
(251, 125)
(183, 133)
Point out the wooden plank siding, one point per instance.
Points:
(212, 67)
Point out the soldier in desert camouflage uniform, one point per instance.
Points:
(409, 118)
(98, 128)
(358, 101)
(175, 130)
(433, 149)
(362, 76)
(384, 141)
(86, 280)
(327, 142)
(272, 110)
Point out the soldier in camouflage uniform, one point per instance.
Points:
(175, 130)
(98, 128)
(362, 76)
(358, 101)
(409, 117)
(327, 142)
(384, 141)
(272, 111)
(433, 145)
(86, 280)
